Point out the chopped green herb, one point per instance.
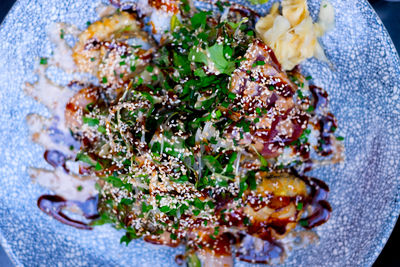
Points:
(196, 212)
(198, 204)
(175, 23)
(115, 181)
(102, 129)
(199, 19)
(193, 260)
(91, 121)
(303, 223)
(126, 201)
(182, 179)
(150, 68)
(200, 73)
(43, 61)
(196, 56)
(146, 208)
(231, 96)
(300, 94)
(217, 56)
(300, 206)
(263, 161)
(85, 158)
(98, 167)
(165, 209)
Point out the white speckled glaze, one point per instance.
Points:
(364, 88)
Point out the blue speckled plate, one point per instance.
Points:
(364, 88)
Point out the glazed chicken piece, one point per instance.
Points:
(273, 208)
(114, 49)
(264, 101)
(270, 212)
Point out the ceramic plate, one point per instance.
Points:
(364, 88)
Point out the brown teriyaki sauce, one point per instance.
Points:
(327, 122)
(318, 203)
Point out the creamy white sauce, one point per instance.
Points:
(105, 10)
(53, 96)
(42, 133)
(62, 53)
(68, 186)
(52, 133)
(211, 260)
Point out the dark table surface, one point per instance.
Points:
(389, 13)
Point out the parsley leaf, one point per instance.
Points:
(91, 121)
(199, 19)
(197, 56)
(200, 73)
(43, 61)
(115, 181)
(217, 56)
(85, 158)
(146, 208)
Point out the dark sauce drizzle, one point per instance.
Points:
(320, 207)
(55, 158)
(54, 205)
(180, 259)
(327, 122)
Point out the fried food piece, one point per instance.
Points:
(114, 49)
(273, 206)
(264, 100)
